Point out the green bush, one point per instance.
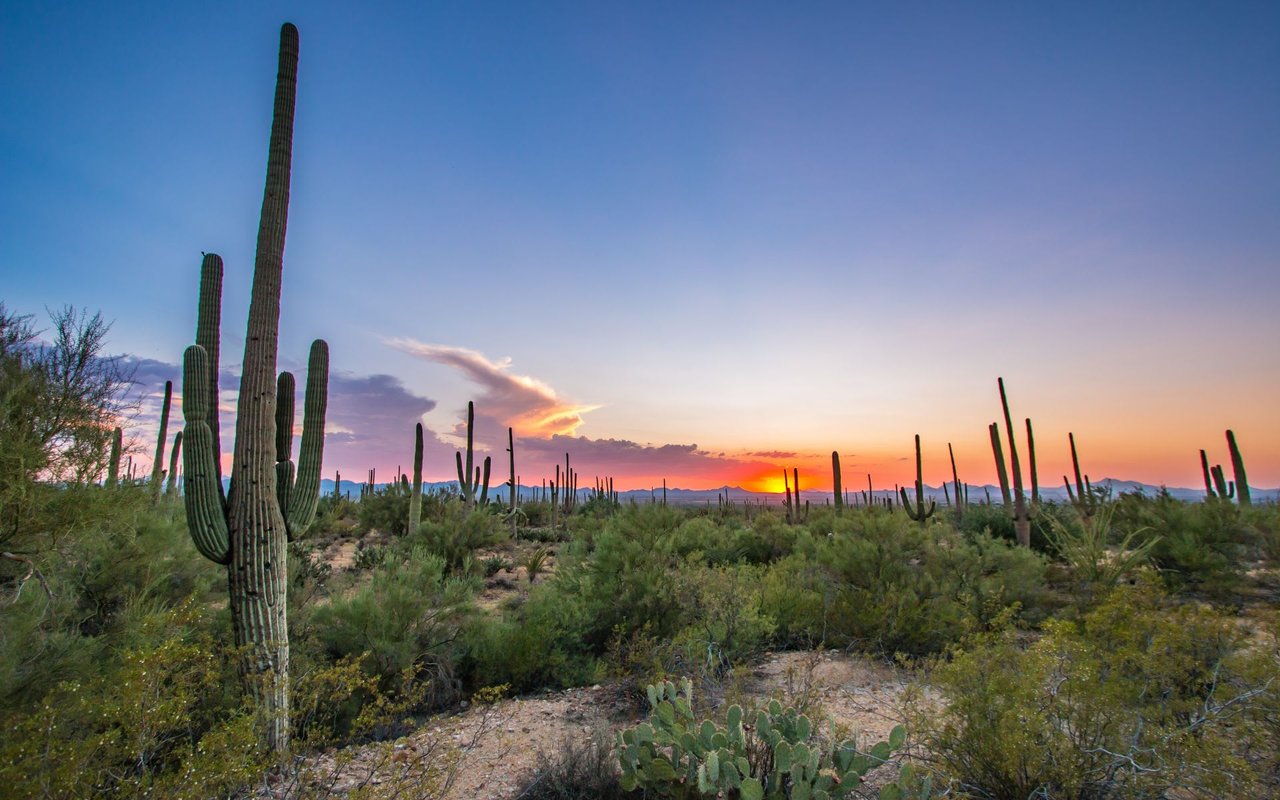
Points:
(1197, 546)
(150, 721)
(537, 645)
(1136, 700)
(385, 510)
(458, 534)
(898, 587)
(406, 617)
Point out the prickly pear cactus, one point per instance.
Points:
(672, 752)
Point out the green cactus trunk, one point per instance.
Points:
(1021, 514)
(1237, 466)
(157, 463)
(415, 499)
(1031, 458)
(1208, 481)
(172, 487)
(836, 485)
(265, 506)
(955, 483)
(113, 461)
(1001, 472)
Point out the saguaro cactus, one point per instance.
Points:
(1237, 466)
(415, 499)
(157, 463)
(171, 488)
(247, 532)
(836, 485)
(468, 482)
(955, 483)
(113, 461)
(1021, 512)
(918, 512)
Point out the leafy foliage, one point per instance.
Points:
(1135, 700)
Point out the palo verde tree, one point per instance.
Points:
(60, 400)
(247, 531)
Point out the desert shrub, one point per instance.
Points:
(385, 510)
(458, 534)
(1198, 546)
(991, 519)
(576, 771)
(152, 720)
(335, 514)
(407, 618)
(903, 588)
(1135, 700)
(534, 646)
(768, 538)
(796, 595)
(714, 541)
(494, 564)
(723, 620)
(86, 579)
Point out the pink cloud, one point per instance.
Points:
(526, 404)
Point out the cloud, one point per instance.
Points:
(634, 464)
(772, 454)
(369, 421)
(526, 404)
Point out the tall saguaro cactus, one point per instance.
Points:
(1237, 467)
(157, 463)
(917, 510)
(415, 500)
(470, 485)
(1021, 512)
(836, 485)
(248, 530)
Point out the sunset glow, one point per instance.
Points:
(693, 245)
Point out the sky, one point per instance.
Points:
(691, 241)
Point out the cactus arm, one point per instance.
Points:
(1001, 472)
(1031, 458)
(172, 485)
(462, 480)
(1204, 466)
(484, 489)
(285, 391)
(208, 336)
(305, 497)
(206, 519)
(202, 488)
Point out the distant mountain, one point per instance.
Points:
(691, 497)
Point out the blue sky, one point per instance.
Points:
(747, 226)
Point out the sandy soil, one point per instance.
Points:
(497, 746)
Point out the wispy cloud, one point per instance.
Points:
(521, 402)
